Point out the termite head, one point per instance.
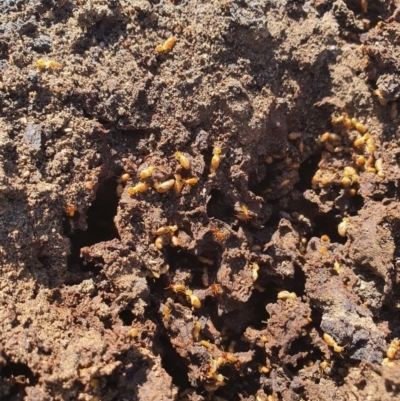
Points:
(219, 235)
(216, 289)
(70, 210)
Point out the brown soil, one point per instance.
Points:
(87, 311)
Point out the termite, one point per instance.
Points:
(190, 181)
(254, 271)
(167, 45)
(166, 313)
(141, 187)
(165, 230)
(183, 160)
(216, 289)
(164, 186)
(196, 331)
(244, 214)
(194, 300)
(147, 172)
(219, 235)
(176, 287)
(205, 278)
(205, 260)
(178, 185)
(216, 159)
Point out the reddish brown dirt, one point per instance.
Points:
(87, 311)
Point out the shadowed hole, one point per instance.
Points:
(173, 364)
(127, 317)
(218, 208)
(101, 227)
(327, 224)
(306, 172)
(20, 371)
(302, 345)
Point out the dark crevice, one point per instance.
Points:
(130, 377)
(327, 224)
(218, 208)
(208, 155)
(234, 323)
(100, 228)
(355, 205)
(157, 287)
(173, 364)
(316, 316)
(240, 378)
(299, 281)
(211, 306)
(306, 172)
(19, 373)
(100, 216)
(273, 222)
(392, 190)
(260, 187)
(257, 302)
(107, 322)
(176, 258)
(302, 344)
(127, 317)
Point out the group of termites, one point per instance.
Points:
(356, 141)
(177, 184)
(217, 358)
(352, 138)
(168, 233)
(161, 187)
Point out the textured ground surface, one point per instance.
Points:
(86, 309)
